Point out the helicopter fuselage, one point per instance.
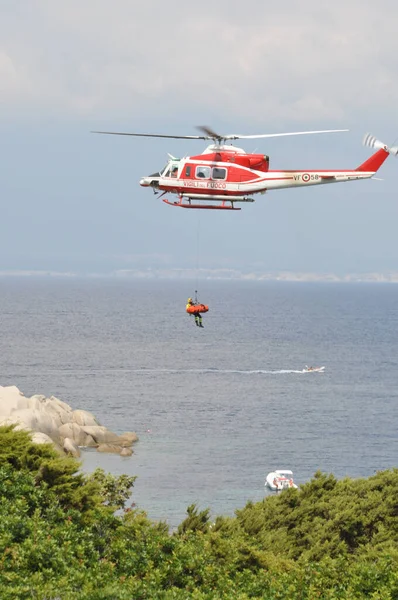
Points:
(228, 173)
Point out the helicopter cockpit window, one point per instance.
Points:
(170, 170)
(203, 172)
(219, 173)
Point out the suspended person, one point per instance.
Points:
(189, 308)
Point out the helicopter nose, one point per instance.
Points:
(145, 181)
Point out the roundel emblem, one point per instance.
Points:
(305, 177)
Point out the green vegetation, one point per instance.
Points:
(63, 537)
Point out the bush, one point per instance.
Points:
(66, 535)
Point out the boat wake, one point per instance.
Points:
(224, 371)
(203, 371)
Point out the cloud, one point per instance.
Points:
(299, 61)
(8, 76)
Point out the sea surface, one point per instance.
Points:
(217, 408)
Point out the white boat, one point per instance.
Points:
(280, 479)
(308, 369)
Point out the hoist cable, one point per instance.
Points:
(197, 256)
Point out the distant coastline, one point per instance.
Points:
(212, 274)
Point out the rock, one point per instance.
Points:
(41, 438)
(69, 430)
(89, 442)
(43, 404)
(101, 434)
(114, 448)
(126, 452)
(128, 438)
(62, 405)
(83, 417)
(36, 402)
(53, 421)
(74, 432)
(70, 447)
(11, 399)
(58, 412)
(18, 426)
(37, 420)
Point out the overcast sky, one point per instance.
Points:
(70, 200)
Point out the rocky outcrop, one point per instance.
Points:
(52, 421)
(70, 447)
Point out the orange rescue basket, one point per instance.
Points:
(196, 309)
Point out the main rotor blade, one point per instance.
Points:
(212, 135)
(234, 136)
(157, 135)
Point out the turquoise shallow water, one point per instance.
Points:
(215, 409)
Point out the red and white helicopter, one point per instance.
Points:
(224, 174)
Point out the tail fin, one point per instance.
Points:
(374, 163)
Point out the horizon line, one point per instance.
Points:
(211, 275)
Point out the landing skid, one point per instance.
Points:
(182, 204)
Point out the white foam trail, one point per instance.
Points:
(219, 371)
(209, 371)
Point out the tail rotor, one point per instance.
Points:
(372, 142)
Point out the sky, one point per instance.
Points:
(70, 200)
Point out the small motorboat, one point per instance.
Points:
(308, 369)
(279, 480)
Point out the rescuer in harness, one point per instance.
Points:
(194, 309)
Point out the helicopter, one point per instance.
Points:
(224, 174)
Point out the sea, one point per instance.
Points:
(216, 408)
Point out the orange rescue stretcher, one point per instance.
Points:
(196, 309)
